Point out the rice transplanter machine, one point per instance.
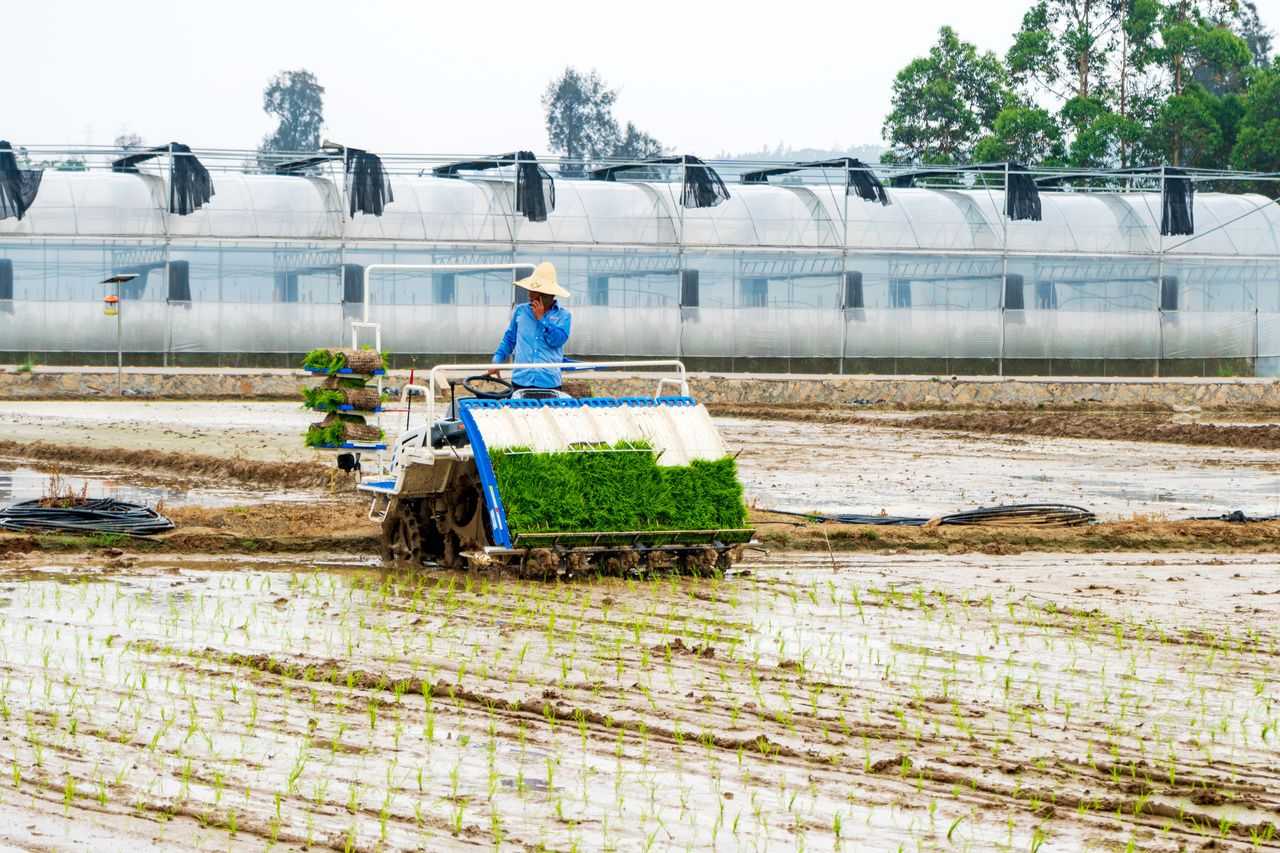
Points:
(439, 499)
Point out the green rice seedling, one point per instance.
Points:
(617, 488)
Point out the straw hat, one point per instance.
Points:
(543, 280)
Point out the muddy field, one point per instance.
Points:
(838, 463)
(253, 680)
(1009, 703)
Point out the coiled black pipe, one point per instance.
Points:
(101, 515)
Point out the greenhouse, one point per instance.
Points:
(815, 268)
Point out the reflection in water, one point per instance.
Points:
(6, 488)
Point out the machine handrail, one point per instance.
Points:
(434, 378)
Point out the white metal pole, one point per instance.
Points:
(1004, 270)
(119, 343)
(1160, 279)
(844, 267)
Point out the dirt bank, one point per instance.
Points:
(1159, 427)
(785, 533)
(1151, 428)
(339, 527)
(199, 466)
(344, 527)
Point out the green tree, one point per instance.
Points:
(1206, 63)
(942, 103)
(1255, 34)
(635, 144)
(128, 140)
(1023, 134)
(580, 119)
(1199, 46)
(1188, 130)
(1109, 139)
(1063, 47)
(580, 122)
(296, 100)
(1257, 145)
(1134, 94)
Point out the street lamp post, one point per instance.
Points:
(113, 303)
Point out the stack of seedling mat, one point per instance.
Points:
(346, 398)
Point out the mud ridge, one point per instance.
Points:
(343, 525)
(1149, 428)
(1049, 800)
(785, 533)
(216, 468)
(1133, 425)
(329, 673)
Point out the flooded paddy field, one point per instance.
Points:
(855, 689)
(815, 702)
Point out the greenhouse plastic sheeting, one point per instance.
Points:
(1190, 334)
(1081, 335)
(780, 275)
(922, 333)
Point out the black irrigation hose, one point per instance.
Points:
(1044, 515)
(103, 515)
(1237, 517)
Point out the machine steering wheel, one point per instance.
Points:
(508, 388)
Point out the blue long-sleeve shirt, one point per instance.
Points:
(535, 341)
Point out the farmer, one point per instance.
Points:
(537, 332)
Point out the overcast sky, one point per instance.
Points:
(408, 77)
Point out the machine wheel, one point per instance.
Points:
(451, 558)
(460, 521)
(701, 562)
(404, 538)
(542, 563)
(580, 564)
(658, 561)
(466, 500)
(621, 563)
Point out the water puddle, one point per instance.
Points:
(23, 484)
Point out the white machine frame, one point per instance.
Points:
(437, 379)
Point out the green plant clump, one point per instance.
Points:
(617, 488)
(322, 399)
(323, 359)
(327, 436)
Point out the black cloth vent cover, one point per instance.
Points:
(368, 187)
(861, 181)
(190, 187)
(703, 186)
(18, 187)
(1177, 203)
(1177, 193)
(1022, 196)
(1022, 193)
(535, 188)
